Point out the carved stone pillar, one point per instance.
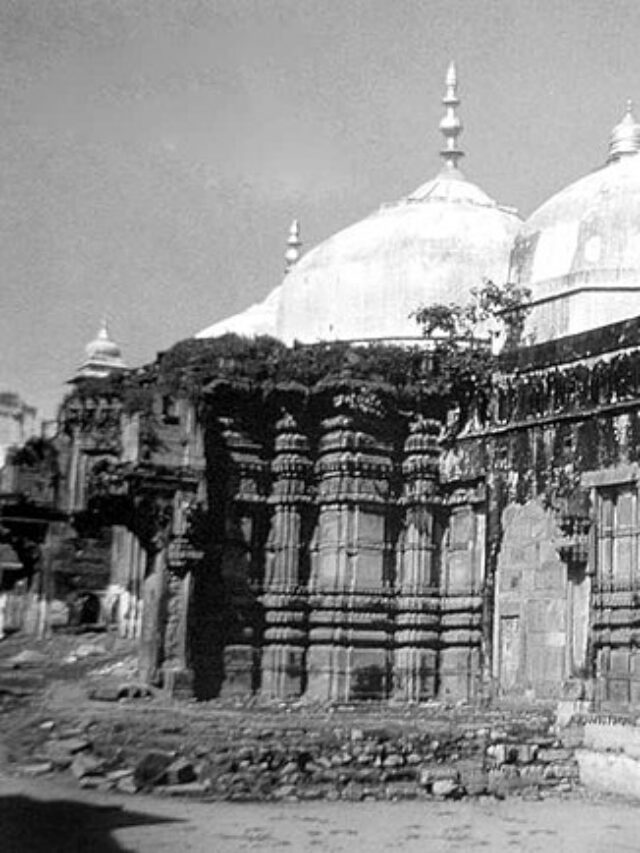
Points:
(284, 599)
(242, 558)
(416, 629)
(462, 579)
(183, 558)
(160, 513)
(349, 617)
(128, 562)
(153, 520)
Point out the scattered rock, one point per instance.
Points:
(117, 775)
(425, 779)
(25, 659)
(554, 754)
(94, 782)
(179, 772)
(86, 765)
(114, 691)
(188, 789)
(87, 650)
(74, 744)
(446, 788)
(127, 785)
(38, 769)
(151, 769)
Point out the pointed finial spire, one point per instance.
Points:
(103, 332)
(451, 126)
(294, 244)
(625, 136)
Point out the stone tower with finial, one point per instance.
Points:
(103, 357)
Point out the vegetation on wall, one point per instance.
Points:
(195, 369)
(452, 370)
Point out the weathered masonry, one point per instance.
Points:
(305, 546)
(341, 544)
(344, 520)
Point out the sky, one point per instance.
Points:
(154, 153)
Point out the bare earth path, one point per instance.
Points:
(38, 816)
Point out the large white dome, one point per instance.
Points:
(433, 246)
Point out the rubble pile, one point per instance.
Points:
(258, 762)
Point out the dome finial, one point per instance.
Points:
(451, 126)
(103, 332)
(625, 136)
(294, 244)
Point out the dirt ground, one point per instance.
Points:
(44, 817)
(51, 690)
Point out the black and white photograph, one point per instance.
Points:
(319, 426)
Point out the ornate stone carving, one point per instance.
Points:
(351, 568)
(417, 608)
(284, 598)
(242, 555)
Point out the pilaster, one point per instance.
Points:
(349, 589)
(417, 601)
(284, 597)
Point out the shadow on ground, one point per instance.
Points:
(62, 826)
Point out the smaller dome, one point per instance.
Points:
(102, 346)
(104, 356)
(579, 252)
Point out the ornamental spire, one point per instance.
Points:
(451, 126)
(294, 244)
(103, 331)
(625, 136)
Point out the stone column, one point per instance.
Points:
(182, 560)
(350, 599)
(284, 599)
(154, 518)
(128, 562)
(461, 600)
(242, 557)
(416, 625)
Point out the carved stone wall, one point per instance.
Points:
(349, 553)
(417, 609)
(461, 595)
(532, 605)
(242, 556)
(286, 570)
(350, 583)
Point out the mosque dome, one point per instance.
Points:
(579, 253)
(103, 356)
(433, 246)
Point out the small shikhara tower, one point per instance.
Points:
(104, 357)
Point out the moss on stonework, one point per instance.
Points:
(441, 378)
